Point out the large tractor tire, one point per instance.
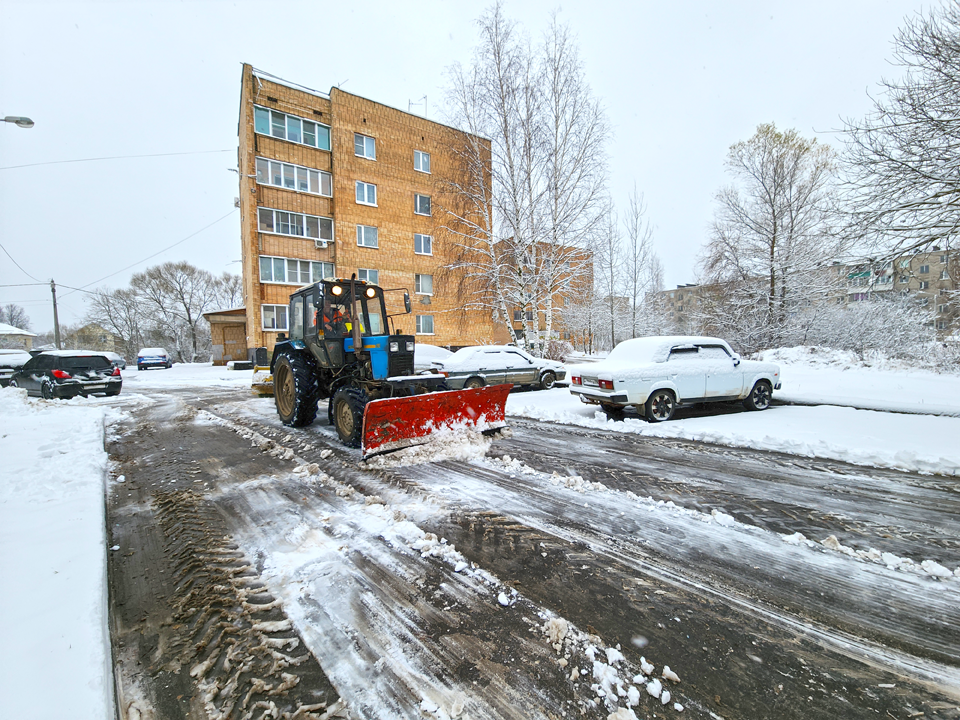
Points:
(295, 390)
(348, 404)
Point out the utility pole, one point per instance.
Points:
(56, 321)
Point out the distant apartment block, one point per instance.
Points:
(332, 185)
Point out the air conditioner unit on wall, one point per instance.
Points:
(321, 244)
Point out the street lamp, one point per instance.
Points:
(23, 122)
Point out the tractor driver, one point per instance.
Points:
(336, 319)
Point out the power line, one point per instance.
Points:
(113, 157)
(18, 265)
(178, 242)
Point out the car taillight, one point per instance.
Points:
(605, 384)
(61, 375)
(575, 379)
(116, 371)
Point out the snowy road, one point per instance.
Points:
(553, 574)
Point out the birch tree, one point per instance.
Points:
(773, 228)
(642, 269)
(521, 207)
(903, 159)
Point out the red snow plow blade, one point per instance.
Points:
(395, 423)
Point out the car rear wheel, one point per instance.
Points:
(348, 405)
(473, 383)
(295, 391)
(660, 406)
(759, 397)
(46, 391)
(548, 380)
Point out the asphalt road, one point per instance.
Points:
(244, 589)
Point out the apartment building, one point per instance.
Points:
(333, 184)
(930, 276)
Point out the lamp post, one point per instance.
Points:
(23, 122)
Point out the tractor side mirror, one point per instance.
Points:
(406, 302)
(281, 337)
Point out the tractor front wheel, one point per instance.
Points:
(295, 390)
(348, 404)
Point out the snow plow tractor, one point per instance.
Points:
(339, 348)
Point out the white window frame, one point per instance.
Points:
(924, 284)
(321, 176)
(270, 124)
(321, 223)
(944, 275)
(362, 236)
(421, 321)
(368, 150)
(418, 284)
(418, 161)
(369, 275)
(363, 190)
(324, 265)
(416, 205)
(277, 328)
(924, 269)
(422, 237)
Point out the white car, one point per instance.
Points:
(425, 355)
(10, 362)
(656, 374)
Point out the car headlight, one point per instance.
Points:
(394, 346)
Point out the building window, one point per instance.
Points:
(367, 236)
(924, 269)
(366, 193)
(293, 272)
(924, 284)
(365, 147)
(941, 324)
(924, 302)
(421, 204)
(370, 276)
(885, 279)
(519, 315)
(294, 177)
(424, 324)
(281, 222)
(905, 264)
(274, 317)
(941, 309)
(291, 128)
(904, 279)
(943, 259)
(944, 275)
(422, 244)
(421, 161)
(423, 284)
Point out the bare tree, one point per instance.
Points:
(228, 289)
(176, 295)
(521, 208)
(15, 315)
(903, 159)
(774, 228)
(122, 313)
(642, 269)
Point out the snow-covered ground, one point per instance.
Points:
(52, 479)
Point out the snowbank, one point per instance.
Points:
(53, 611)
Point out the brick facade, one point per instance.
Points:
(395, 136)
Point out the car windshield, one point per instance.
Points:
(93, 362)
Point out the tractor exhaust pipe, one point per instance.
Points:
(357, 344)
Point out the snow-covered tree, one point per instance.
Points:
(903, 159)
(12, 314)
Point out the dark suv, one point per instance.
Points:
(68, 373)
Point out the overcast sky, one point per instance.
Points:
(681, 82)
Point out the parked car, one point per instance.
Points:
(425, 355)
(153, 357)
(117, 360)
(655, 375)
(473, 367)
(68, 373)
(10, 362)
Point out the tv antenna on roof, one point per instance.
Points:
(422, 101)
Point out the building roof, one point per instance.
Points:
(11, 330)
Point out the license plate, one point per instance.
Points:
(95, 387)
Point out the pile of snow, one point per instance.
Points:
(56, 646)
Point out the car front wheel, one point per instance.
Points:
(759, 397)
(473, 383)
(548, 380)
(660, 406)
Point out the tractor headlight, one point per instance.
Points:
(409, 347)
(394, 346)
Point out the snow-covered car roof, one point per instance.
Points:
(654, 349)
(152, 351)
(13, 357)
(73, 353)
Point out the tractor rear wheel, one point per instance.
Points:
(295, 390)
(348, 404)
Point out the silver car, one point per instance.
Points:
(656, 374)
(473, 367)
